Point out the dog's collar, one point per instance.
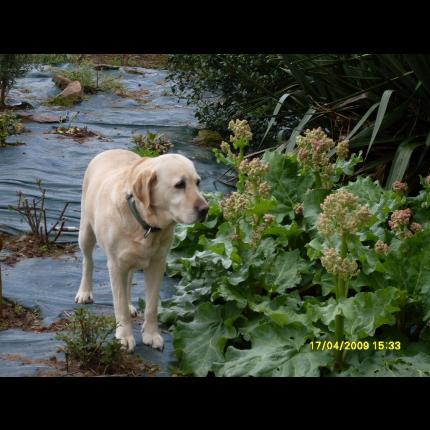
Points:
(132, 205)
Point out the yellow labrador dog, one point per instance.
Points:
(130, 206)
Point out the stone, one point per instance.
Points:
(134, 70)
(61, 81)
(19, 106)
(72, 92)
(207, 137)
(105, 67)
(43, 119)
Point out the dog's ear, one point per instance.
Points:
(143, 186)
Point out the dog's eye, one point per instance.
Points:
(198, 182)
(180, 184)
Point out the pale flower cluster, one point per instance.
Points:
(254, 167)
(298, 208)
(268, 218)
(400, 218)
(381, 247)
(342, 149)
(415, 227)
(225, 147)
(251, 178)
(400, 187)
(240, 129)
(313, 149)
(342, 214)
(338, 266)
(264, 189)
(400, 223)
(234, 205)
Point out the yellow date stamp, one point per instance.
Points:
(347, 345)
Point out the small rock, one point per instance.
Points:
(44, 119)
(61, 81)
(207, 137)
(73, 92)
(19, 106)
(134, 70)
(105, 67)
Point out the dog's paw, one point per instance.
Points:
(153, 340)
(84, 297)
(133, 311)
(128, 343)
(124, 333)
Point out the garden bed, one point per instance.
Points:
(13, 315)
(28, 246)
(34, 277)
(76, 132)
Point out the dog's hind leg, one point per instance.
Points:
(133, 310)
(87, 241)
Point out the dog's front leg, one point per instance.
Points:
(119, 283)
(153, 276)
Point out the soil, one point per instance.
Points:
(133, 365)
(150, 61)
(24, 246)
(13, 315)
(62, 368)
(16, 316)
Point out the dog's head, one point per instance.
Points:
(168, 187)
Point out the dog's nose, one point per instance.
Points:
(202, 210)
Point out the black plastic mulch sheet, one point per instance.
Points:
(60, 162)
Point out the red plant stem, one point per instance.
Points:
(59, 218)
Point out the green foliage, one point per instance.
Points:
(55, 59)
(253, 292)
(151, 144)
(9, 125)
(244, 86)
(275, 351)
(89, 343)
(61, 101)
(210, 321)
(380, 102)
(12, 66)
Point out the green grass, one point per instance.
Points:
(145, 152)
(60, 101)
(151, 144)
